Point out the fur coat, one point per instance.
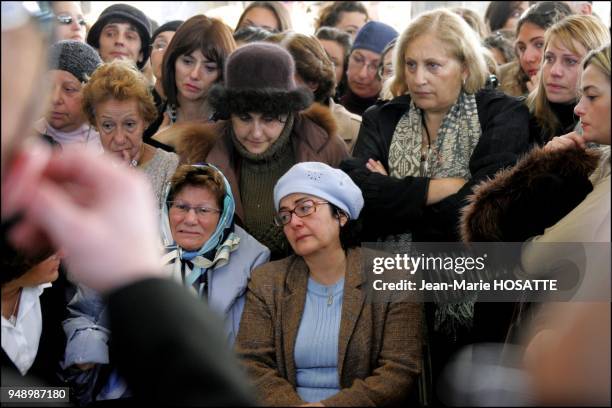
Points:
(520, 202)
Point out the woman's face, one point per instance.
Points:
(260, 17)
(76, 28)
(336, 55)
(121, 126)
(158, 50)
(316, 232)
(257, 132)
(362, 73)
(191, 221)
(594, 106)
(195, 74)
(350, 22)
(433, 77)
(513, 19)
(387, 65)
(561, 71)
(529, 47)
(65, 113)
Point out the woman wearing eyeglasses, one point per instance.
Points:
(308, 335)
(70, 23)
(263, 133)
(363, 81)
(206, 251)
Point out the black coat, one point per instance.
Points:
(399, 205)
(172, 349)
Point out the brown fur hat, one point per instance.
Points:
(520, 202)
(259, 77)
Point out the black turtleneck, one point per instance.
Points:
(565, 115)
(356, 104)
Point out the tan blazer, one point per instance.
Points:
(379, 345)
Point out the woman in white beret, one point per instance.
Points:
(308, 335)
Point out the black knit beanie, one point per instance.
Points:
(169, 26)
(78, 58)
(131, 14)
(259, 77)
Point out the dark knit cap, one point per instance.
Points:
(374, 36)
(169, 26)
(259, 77)
(131, 14)
(78, 58)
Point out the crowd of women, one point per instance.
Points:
(273, 154)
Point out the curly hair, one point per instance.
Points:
(312, 63)
(122, 81)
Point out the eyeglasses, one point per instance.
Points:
(303, 209)
(183, 209)
(65, 19)
(358, 62)
(385, 71)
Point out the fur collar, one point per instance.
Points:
(322, 116)
(194, 141)
(522, 201)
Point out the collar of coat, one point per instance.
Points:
(297, 276)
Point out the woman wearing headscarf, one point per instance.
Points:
(205, 250)
(263, 133)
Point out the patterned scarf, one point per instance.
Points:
(215, 252)
(448, 156)
(450, 153)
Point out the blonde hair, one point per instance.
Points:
(589, 32)
(118, 80)
(599, 58)
(461, 41)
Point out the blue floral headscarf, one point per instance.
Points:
(216, 250)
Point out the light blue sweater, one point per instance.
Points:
(316, 345)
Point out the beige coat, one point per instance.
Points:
(348, 124)
(379, 344)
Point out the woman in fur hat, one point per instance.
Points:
(263, 134)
